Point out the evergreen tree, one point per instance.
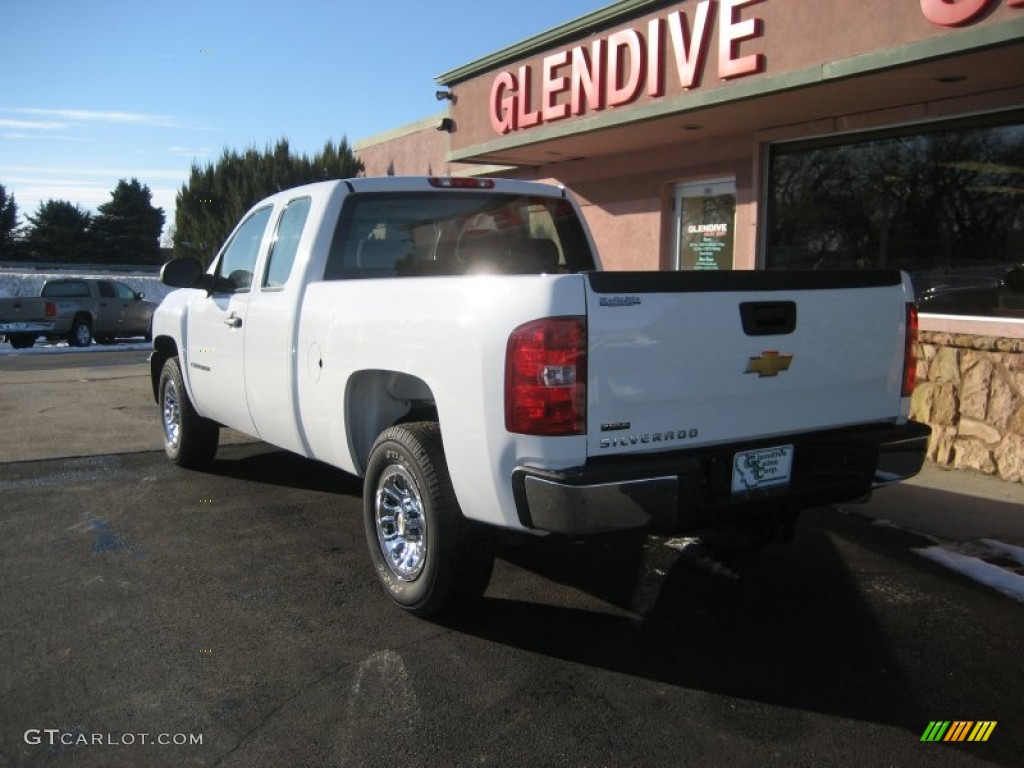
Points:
(8, 226)
(218, 194)
(127, 228)
(59, 232)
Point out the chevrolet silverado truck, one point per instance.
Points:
(454, 343)
(76, 310)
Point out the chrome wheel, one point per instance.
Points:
(401, 523)
(189, 439)
(171, 414)
(426, 555)
(81, 335)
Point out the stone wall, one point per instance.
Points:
(970, 389)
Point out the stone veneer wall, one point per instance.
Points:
(970, 389)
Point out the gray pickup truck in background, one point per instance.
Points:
(77, 310)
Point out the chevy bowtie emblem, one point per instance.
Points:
(769, 364)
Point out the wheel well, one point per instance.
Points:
(82, 316)
(164, 349)
(376, 400)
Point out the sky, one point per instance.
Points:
(93, 92)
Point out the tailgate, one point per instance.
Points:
(22, 310)
(682, 359)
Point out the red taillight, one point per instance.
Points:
(51, 309)
(909, 361)
(546, 377)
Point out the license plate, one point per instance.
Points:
(763, 468)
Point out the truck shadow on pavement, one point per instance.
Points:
(253, 462)
(799, 625)
(844, 621)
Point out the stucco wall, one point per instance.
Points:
(418, 149)
(626, 197)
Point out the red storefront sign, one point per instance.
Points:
(616, 70)
(613, 71)
(953, 13)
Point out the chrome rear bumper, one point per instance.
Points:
(688, 490)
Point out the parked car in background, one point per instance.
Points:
(77, 310)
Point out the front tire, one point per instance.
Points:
(427, 556)
(189, 439)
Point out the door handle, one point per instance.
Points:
(233, 321)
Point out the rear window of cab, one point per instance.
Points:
(454, 233)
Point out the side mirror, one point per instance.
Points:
(181, 273)
(140, 296)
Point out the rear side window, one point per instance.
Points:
(286, 242)
(69, 289)
(455, 233)
(106, 290)
(238, 261)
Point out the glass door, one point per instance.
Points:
(705, 219)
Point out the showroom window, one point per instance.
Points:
(945, 203)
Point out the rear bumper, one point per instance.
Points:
(39, 328)
(688, 491)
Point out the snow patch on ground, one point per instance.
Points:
(971, 559)
(1006, 550)
(62, 348)
(1009, 583)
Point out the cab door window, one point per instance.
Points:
(124, 292)
(286, 242)
(238, 261)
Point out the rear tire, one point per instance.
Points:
(426, 554)
(81, 333)
(22, 341)
(189, 439)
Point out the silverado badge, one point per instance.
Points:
(619, 301)
(769, 363)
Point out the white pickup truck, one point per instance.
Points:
(453, 342)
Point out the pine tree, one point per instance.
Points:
(217, 195)
(8, 224)
(127, 228)
(59, 232)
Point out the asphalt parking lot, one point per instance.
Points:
(143, 603)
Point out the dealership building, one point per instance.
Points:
(783, 134)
